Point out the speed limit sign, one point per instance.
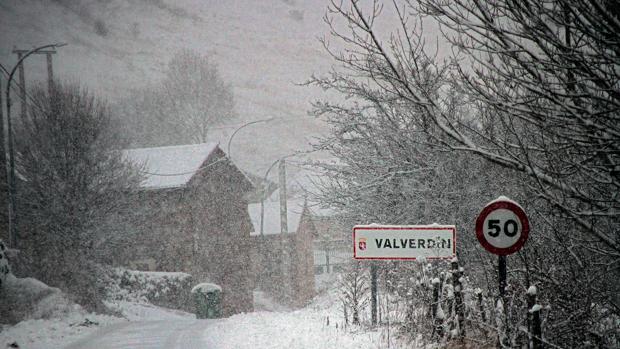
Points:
(502, 227)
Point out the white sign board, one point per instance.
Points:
(404, 242)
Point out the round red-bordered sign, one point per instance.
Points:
(502, 227)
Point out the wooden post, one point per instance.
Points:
(458, 296)
(286, 246)
(22, 85)
(11, 172)
(50, 72)
(533, 320)
(373, 293)
(11, 175)
(438, 315)
(450, 302)
(483, 315)
(4, 174)
(283, 208)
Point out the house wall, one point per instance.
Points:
(283, 264)
(304, 266)
(223, 211)
(269, 265)
(202, 229)
(333, 245)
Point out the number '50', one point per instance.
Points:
(510, 227)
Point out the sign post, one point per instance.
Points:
(502, 228)
(373, 294)
(401, 242)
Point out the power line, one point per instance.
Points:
(271, 120)
(201, 168)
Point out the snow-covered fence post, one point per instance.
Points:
(500, 322)
(533, 320)
(438, 314)
(458, 296)
(483, 315)
(448, 291)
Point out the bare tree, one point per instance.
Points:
(540, 87)
(532, 90)
(181, 108)
(73, 180)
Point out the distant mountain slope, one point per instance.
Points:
(262, 47)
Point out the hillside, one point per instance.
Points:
(262, 48)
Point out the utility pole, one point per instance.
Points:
(4, 171)
(12, 191)
(283, 208)
(50, 71)
(22, 80)
(11, 175)
(22, 83)
(286, 247)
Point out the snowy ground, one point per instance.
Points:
(53, 333)
(319, 325)
(305, 328)
(59, 331)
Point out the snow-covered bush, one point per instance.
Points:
(166, 289)
(28, 298)
(354, 285)
(409, 299)
(78, 186)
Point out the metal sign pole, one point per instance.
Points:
(503, 336)
(502, 276)
(502, 228)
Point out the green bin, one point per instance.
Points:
(207, 300)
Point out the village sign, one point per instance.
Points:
(404, 242)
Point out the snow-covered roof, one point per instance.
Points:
(271, 223)
(171, 166)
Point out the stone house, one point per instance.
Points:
(192, 216)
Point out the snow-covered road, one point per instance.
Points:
(301, 329)
(160, 334)
(319, 325)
